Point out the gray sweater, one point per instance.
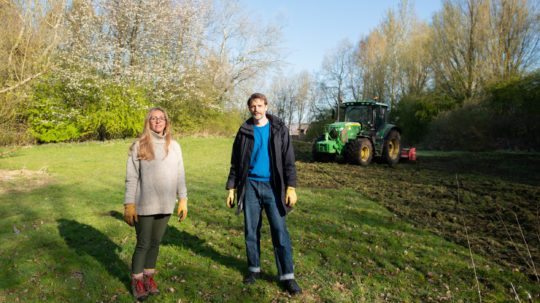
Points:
(154, 185)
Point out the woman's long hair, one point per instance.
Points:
(146, 149)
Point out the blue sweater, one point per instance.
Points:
(259, 166)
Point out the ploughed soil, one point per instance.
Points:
(494, 196)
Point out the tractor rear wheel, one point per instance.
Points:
(392, 147)
(321, 157)
(359, 151)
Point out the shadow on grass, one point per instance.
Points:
(197, 245)
(85, 239)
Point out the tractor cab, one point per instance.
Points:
(370, 114)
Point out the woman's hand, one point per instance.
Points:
(182, 208)
(130, 214)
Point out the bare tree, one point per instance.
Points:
(334, 69)
(31, 31)
(292, 97)
(469, 43)
(515, 32)
(279, 94)
(392, 30)
(283, 93)
(242, 47)
(476, 41)
(355, 71)
(304, 96)
(371, 52)
(460, 36)
(399, 32)
(380, 63)
(416, 60)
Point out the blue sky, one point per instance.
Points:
(312, 28)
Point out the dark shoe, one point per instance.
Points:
(138, 290)
(150, 284)
(292, 287)
(251, 277)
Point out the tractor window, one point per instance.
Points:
(360, 114)
(380, 117)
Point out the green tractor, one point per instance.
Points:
(364, 134)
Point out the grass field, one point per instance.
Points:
(372, 234)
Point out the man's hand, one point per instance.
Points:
(290, 198)
(182, 208)
(230, 198)
(130, 215)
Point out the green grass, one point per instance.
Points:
(357, 232)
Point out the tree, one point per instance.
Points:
(186, 51)
(31, 31)
(416, 60)
(371, 53)
(280, 96)
(515, 32)
(334, 69)
(283, 93)
(242, 47)
(189, 56)
(305, 96)
(460, 36)
(393, 30)
(481, 41)
(292, 97)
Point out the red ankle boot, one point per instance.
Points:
(150, 284)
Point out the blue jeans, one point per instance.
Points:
(260, 195)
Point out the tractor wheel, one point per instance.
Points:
(392, 147)
(360, 151)
(321, 157)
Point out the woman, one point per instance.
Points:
(154, 180)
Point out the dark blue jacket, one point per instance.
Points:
(281, 160)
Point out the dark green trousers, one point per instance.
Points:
(150, 231)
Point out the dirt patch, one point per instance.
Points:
(22, 180)
(494, 195)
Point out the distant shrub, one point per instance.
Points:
(51, 117)
(316, 128)
(415, 113)
(209, 123)
(506, 117)
(464, 128)
(60, 113)
(514, 106)
(115, 112)
(191, 116)
(13, 124)
(224, 124)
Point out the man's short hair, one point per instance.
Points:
(257, 96)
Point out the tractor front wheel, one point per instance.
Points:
(360, 151)
(392, 147)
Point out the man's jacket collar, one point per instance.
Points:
(275, 125)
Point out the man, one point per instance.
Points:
(263, 174)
